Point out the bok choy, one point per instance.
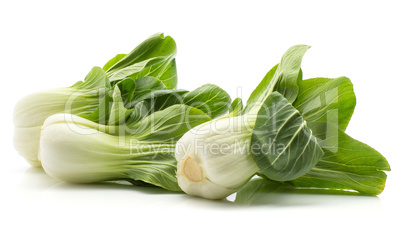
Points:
(128, 121)
(151, 62)
(140, 149)
(77, 150)
(291, 133)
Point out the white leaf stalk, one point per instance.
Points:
(74, 149)
(32, 110)
(69, 150)
(214, 159)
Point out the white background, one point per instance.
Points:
(47, 44)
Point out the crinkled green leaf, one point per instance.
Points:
(158, 100)
(282, 78)
(111, 110)
(145, 87)
(326, 100)
(129, 70)
(156, 50)
(347, 164)
(164, 71)
(282, 145)
(168, 125)
(209, 98)
(155, 46)
(327, 105)
(169, 75)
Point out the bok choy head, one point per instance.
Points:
(74, 149)
(150, 66)
(291, 133)
(268, 135)
(135, 144)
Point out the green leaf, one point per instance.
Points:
(288, 72)
(156, 46)
(118, 113)
(209, 98)
(236, 108)
(157, 100)
(111, 110)
(113, 61)
(155, 50)
(101, 114)
(127, 88)
(326, 100)
(354, 166)
(96, 78)
(282, 78)
(97, 81)
(283, 147)
(145, 87)
(249, 192)
(140, 111)
(168, 125)
(164, 71)
(169, 75)
(158, 170)
(128, 71)
(327, 105)
(261, 91)
(162, 99)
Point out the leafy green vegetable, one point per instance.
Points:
(113, 61)
(290, 150)
(249, 192)
(294, 131)
(256, 190)
(210, 99)
(127, 121)
(327, 105)
(76, 150)
(347, 164)
(354, 166)
(30, 112)
(150, 95)
(326, 100)
(236, 108)
(267, 121)
(282, 78)
(149, 67)
(165, 72)
(153, 57)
